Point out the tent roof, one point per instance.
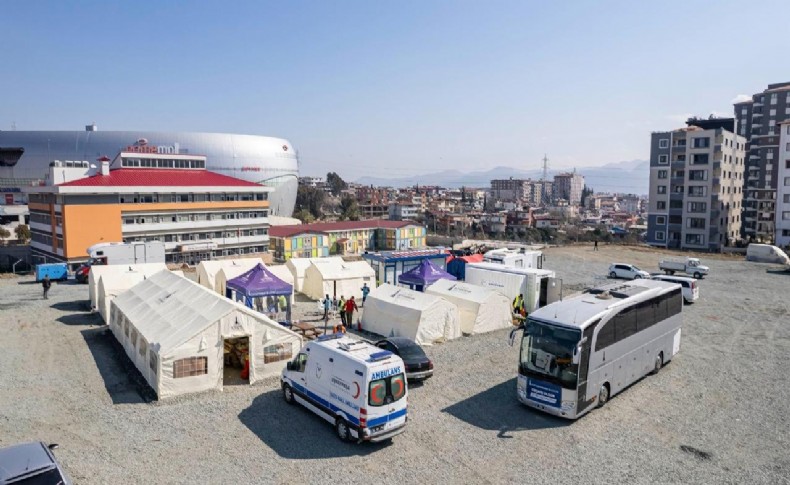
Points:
(301, 264)
(337, 269)
(463, 291)
(281, 271)
(424, 274)
(259, 281)
(127, 279)
(404, 297)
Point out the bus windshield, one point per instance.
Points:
(547, 353)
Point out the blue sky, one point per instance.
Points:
(393, 88)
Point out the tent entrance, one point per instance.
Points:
(235, 370)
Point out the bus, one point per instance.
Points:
(578, 353)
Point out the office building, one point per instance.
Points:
(569, 186)
(758, 120)
(782, 237)
(696, 186)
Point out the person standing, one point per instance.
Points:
(327, 302)
(46, 284)
(342, 309)
(365, 291)
(595, 248)
(351, 305)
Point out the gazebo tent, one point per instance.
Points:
(98, 270)
(482, 309)
(298, 267)
(258, 282)
(424, 275)
(394, 311)
(111, 285)
(337, 278)
(230, 271)
(207, 270)
(174, 330)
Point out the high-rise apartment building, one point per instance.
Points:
(782, 237)
(569, 186)
(758, 120)
(696, 186)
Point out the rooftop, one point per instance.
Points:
(324, 227)
(138, 177)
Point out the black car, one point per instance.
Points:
(418, 365)
(31, 463)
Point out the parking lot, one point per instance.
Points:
(716, 414)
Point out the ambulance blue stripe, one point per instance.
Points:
(391, 417)
(323, 403)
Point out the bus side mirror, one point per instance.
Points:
(513, 334)
(576, 354)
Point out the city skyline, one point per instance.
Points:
(390, 90)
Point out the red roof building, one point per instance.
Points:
(154, 177)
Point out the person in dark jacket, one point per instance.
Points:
(46, 284)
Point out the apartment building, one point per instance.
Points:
(758, 120)
(198, 214)
(511, 189)
(569, 186)
(782, 237)
(399, 211)
(696, 186)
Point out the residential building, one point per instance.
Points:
(286, 242)
(696, 193)
(511, 189)
(172, 198)
(782, 237)
(569, 186)
(399, 211)
(758, 121)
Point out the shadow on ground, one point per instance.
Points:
(123, 381)
(498, 409)
(294, 432)
(71, 306)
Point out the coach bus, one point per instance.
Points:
(578, 353)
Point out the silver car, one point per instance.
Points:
(31, 463)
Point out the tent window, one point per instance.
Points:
(191, 366)
(143, 347)
(152, 361)
(275, 353)
(126, 327)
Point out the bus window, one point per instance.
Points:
(605, 335)
(624, 324)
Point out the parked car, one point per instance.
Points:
(31, 463)
(690, 266)
(690, 286)
(418, 365)
(627, 271)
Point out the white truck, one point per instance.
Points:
(356, 386)
(121, 253)
(690, 266)
(515, 258)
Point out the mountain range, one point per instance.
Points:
(626, 177)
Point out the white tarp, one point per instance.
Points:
(298, 267)
(509, 281)
(207, 270)
(98, 270)
(230, 271)
(173, 329)
(481, 309)
(393, 311)
(111, 285)
(337, 278)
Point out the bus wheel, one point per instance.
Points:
(603, 395)
(658, 363)
(341, 427)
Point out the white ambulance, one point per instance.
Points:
(358, 387)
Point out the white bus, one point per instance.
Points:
(580, 352)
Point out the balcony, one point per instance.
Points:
(193, 225)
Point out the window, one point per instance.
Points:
(278, 352)
(660, 236)
(143, 347)
(675, 204)
(661, 220)
(774, 98)
(605, 336)
(695, 239)
(624, 324)
(786, 216)
(663, 143)
(153, 361)
(697, 207)
(662, 189)
(697, 191)
(695, 223)
(662, 174)
(191, 366)
(661, 205)
(386, 390)
(702, 142)
(699, 159)
(698, 175)
(787, 181)
(663, 159)
(743, 111)
(786, 198)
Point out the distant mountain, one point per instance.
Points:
(630, 177)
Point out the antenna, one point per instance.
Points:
(543, 178)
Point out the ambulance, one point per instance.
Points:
(354, 385)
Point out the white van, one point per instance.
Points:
(765, 253)
(690, 287)
(354, 385)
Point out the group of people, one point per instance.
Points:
(345, 308)
(518, 306)
(271, 304)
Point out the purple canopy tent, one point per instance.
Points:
(424, 275)
(257, 283)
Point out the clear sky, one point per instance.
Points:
(392, 88)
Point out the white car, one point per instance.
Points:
(690, 287)
(627, 271)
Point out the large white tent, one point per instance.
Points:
(298, 267)
(96, 272)
(111, 285)
(337, 278)
(393, 311)
(482, 309)
(207, 270)
(174, 331)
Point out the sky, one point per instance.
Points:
(392, 89)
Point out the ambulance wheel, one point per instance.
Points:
(341, 427)
(603, 395)
(288, 394)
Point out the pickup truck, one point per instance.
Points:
(690, 266)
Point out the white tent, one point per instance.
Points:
(393, 311)
(230, 271)
(207, 270)
(174, 331)
(298, 267)
(337, 278)
(111, 285)
(97, 271)
(482, 309)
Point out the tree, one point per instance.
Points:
(335, 183)
(586, 192)
(22, 232)
(349, 209)
(4, 233)
(310, 199)
(305, 216)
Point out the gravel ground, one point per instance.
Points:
(714, 415)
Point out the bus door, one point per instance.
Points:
(584, 367)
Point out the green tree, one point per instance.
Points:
(310, 199)
(336, 183)
(22, 232)
(4, 233)
(349, 209)
(305, 216)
